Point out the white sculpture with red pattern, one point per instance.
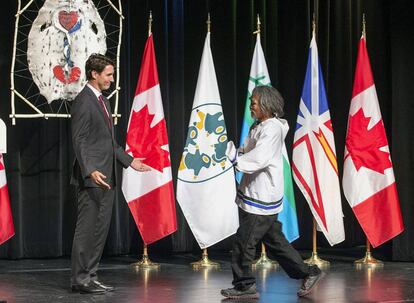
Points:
(62, 37)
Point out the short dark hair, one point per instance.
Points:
(271, 101)
(97, 62)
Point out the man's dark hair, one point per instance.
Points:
(96, 62)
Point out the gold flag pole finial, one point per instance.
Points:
(257, 31)
(208, 23)
(150, 24)
(364, 33)
(314, 24)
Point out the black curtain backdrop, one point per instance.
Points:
(40, 154)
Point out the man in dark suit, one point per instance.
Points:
(94, 172)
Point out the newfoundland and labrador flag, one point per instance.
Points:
(314, 163)
(150, 195)
(206, 188)
(368, 180)
(259, 75)
(6, 220)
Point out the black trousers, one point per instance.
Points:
(253, 229)
(92, 226)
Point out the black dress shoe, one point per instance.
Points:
(103, 286)
(90, 288)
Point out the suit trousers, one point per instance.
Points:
(94, 217)
(253, 229)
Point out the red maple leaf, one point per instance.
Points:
(145, 141)
(364, 145)
(1, 164)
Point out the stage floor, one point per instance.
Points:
(47, 280)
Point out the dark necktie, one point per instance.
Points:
(102, 103)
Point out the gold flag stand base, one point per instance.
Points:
(205, 262)
(368, 260)
(145, 263)
(264, 262)
(316, 260)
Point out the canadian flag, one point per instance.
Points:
(150, 195)
(6, 220)
(368, 180)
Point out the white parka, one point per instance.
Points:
(260, 159)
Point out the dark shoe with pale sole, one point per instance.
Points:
(309, 284)
(236, 293)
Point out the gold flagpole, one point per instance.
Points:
(205, 262)
(368, 260)
(150, 24)
(208, 22)
(257, 31)
(364, 33)
(145, 262)
(314, 25)
(263, 261)
(315, 259)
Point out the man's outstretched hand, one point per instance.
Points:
(139, 166)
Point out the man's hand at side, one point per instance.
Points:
(98, 178)
(139, 166)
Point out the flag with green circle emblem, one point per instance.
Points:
(206, 187)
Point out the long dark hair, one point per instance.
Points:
(271, 101)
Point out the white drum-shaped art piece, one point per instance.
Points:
(62, 37)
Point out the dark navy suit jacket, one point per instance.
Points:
(93, 141)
